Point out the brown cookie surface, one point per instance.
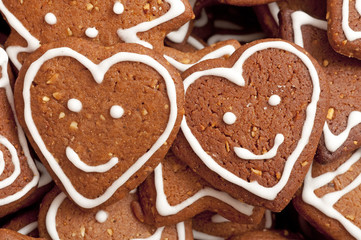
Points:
(7, 234)
(174, 193)
(60, 218)
(100, 118)
(244, 129)
(344, 27)
(330, 197)
(106, 22)
(18, 174)
(341, 132)
(25, 222)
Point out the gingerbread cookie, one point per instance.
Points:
(268, 235)
(341, 132)
(174, 193)
(251, 126)
(184, 60)
(217, 226)
(99, 148)
(268, 14)
(7, 234)
(19, 176)
(60, 218)
(330, 197)
(344, 30)
(143, 22)
(25, 222)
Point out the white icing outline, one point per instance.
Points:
(274, 10)
(239, 37)
(326, 202)
(204, 236)
(28, 228)
(244, 153)
(129, 35)
(216, 218)
(220, 52)
(32, 42)
(195, 43)
(5, 83)
(45, 177)
(234, 75)
(98, 71)
(50, 222)
(332, 142)
(350, 34)
(74, 158)
(165, 209)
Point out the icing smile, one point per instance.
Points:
(246, 154)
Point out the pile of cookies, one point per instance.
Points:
(180, 119)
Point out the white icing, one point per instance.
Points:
(246, 154)
(219, 219)
(229, 118)
(32, 42)
(203, 236)
(50, 222)
(5, 83)
(77, 162)
(2, 163)
(50, 19)
(274, 100)
(116, 111)
(350, 34)
(165, 209)
(28, 228)
(118, 8)
(91, 32)
(98, 71)
(74, 105)
(133, 191)
(220, 52)
(45, 177)
(202, 20)
(129, 35)
(268, 216)
(234, 75)
(274, 10)
(299, 19)
(195, 43)
(334, 142)
(101, 216)
(239, 37)
(326, 203)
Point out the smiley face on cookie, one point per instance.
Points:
(250, 120)
(99, 119)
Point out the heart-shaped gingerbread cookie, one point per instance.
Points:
(252, 122)
(100, 118)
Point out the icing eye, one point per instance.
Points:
(50, 18)
(74, 105)
(116, 111)
(101, 216)
(91, 32)
(229, 118)
(118, 8)
(274, 100)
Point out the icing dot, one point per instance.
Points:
(274, 100)
(74, 105)
(91, 32)
(50, 18)
(101, 216)
(118, 8)
(116, 111)
(229, 118)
